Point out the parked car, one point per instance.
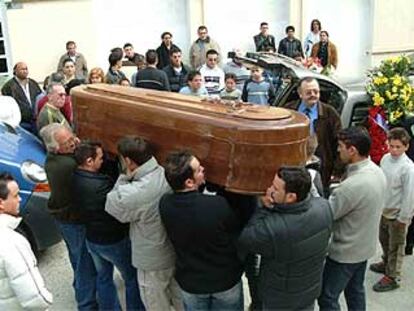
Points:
(349, 98)
(22, 155)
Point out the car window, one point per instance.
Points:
(329, 93)
(332, 95)
(359, 113)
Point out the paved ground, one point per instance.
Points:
(54, 266)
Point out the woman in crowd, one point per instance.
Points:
(114, 74)
(96, 75)
(312, 37)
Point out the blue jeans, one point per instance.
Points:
(84, 273)
(231, 299)
(339, 277)
(105, 257)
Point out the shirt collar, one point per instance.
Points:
(303, 107)
(9, 221)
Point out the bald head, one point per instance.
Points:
(20, 70)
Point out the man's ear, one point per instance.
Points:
(189, 183)
(1, 206)
(353, 150)
(291, 197)
(127, 161)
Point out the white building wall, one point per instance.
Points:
(39, 30)
(349, 24)
(233, 23)
(364, 31)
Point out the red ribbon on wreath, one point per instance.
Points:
(377, 128)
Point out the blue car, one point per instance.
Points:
(22, 155)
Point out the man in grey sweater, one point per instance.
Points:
(135, 199)
(357, 204)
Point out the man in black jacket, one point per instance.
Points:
(290, 46)
(151, 77)
(106, 238)
(176, 71)
(164, 50)
(291, 233)
(24, 90)
(203, 230)
(264, 41)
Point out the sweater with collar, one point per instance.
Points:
(357, 204)
(399, 197)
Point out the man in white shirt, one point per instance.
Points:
(212, 74)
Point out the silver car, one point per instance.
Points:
(349, 98)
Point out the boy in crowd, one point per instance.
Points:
(195, 85)
(257, 90)
(398, 209)
(230, 92)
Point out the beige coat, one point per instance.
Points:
(198, 55)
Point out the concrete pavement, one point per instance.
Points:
(55, 268)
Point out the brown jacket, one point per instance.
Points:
(327, 127)
(332, 53)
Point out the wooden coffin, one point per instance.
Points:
(240, 148)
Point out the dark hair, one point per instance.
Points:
(263, 24)
(191, 75)
(67, 60)
(317, 21)
(135, 148)
(211, 52)
(174, 49)
(325, 32)
(151, 57)
(114, 57)
(178, 169)
(127, 45)
(358, 137)
(72, 83)
(124, 79)
(56, 77)
(87, 149)
(230, 75)
(297, 180)
(70, 43)
(399, 133)
(202, 27)
(166, 33)
(290, 27)
(5, 178)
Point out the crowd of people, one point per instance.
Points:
(163, 69)
(182, 243)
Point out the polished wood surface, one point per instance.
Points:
(240, 146)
